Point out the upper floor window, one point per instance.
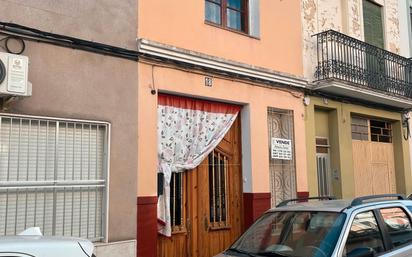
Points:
(232, 14)
(373, 23)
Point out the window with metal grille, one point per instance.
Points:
(177, 198)
(323, 166)
(53, 175)
(381, 131)
(218, 189)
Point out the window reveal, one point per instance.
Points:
(232, 14)
(218, 190)
(177, 202)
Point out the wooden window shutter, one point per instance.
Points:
(373, 24)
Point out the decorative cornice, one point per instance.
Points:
(155, 49)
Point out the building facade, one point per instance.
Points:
(357, 138)
(243, 58)
(68, 151)
(405, 27)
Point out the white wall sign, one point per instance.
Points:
(281, 149)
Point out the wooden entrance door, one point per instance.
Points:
(211, 202)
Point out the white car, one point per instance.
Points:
(31, 243)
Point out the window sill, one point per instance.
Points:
(225, 227)
(179, 231)
(231, 30)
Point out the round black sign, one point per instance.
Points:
(2, 71)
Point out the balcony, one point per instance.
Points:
(352, 68)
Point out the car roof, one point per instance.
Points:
(40, 244)
(324, 205)
(331, 205)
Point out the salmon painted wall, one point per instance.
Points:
(255, 99)
(182, 24)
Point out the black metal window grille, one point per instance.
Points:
(381, 131)
(177, 202)
(348, 59)
(218, 171)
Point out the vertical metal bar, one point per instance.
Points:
(95, 176)
(1, 145)
(73, 157)
(27, 171)
(45, 174)
(213, 187)
(56, 160)
(88, 177)
(181, 198)
(174, 175)
(8, 176)
(18, 177)
(81, 178)
(219, 187)
(37, 172)
(317, 56)
(64, 177)
(226, 172)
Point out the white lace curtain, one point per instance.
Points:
(187, 131)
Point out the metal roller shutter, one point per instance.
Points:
(53, 174)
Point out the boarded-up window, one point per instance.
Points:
(373, 24)
(360, 128)
(53, 175)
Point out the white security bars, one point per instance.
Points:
(53, 175)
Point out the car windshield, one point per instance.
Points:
(303, 233)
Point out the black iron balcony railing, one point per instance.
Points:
(351, 60)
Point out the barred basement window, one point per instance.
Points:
(53, 175)
(218, 189)
(177, 202)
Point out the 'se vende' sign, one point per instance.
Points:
(281, 149)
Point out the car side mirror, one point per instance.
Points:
(361, 252)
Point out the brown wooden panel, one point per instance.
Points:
(374, 168)
(176, 245)
(212, 241)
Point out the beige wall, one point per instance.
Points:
(344, 16)
(255, 100)
(340, 133)
(75, 84)
(182, 24)
(105, 21)
(322, 123)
